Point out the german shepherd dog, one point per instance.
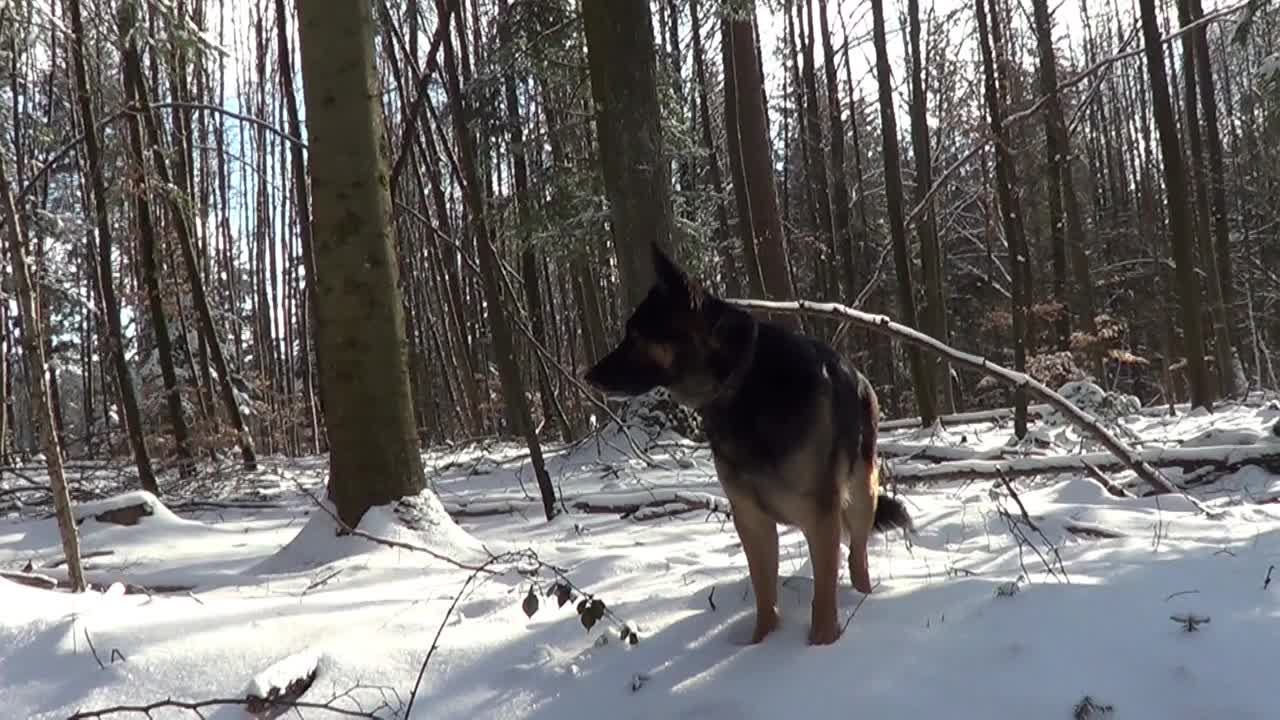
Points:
(792, 428)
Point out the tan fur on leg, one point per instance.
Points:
(824, 551)
(859, 516)
(759, 535)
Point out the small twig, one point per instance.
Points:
(1266, 582)
(94, 650)
(435, 642)
(861, 600)
(1180, 593)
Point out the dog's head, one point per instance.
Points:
(680, 337)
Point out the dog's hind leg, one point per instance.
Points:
(759, 535)
(859, 517)
(823, 536)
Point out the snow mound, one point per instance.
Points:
(1091, 398)
(1218, 436)
(417, 520)
(130, 508)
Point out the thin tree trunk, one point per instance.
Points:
(503, 347)
(198, 296)
(1222, 350)
(752, 131)
(114, 340)
(935, 311)
(1180, 217)
(1010, 208)
(926, 402)
(42, 411)
(1062, 183)
(127, 20)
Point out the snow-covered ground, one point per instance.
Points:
(980, 615)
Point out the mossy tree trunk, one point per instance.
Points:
(364, 379)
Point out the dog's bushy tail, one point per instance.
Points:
(892, 513)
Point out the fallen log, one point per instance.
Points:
(1219, 459)
(1079, 418)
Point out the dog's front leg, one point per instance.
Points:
(823, 537)
(759, 535)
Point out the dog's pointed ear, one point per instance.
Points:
(667, 274)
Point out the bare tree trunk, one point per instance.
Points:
(42, 411)
(1010, 207)
(752, 139)
(720, 236)
(114, 340)
(1224, 354)
(302, 200)
(926, 401)
(935, 310)
(503, 347)
(374, 458)
(147, 247)
(1062, 184)
(198, 296)
(1180, 218)
(841, 230)
(637, 178)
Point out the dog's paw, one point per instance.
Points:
(824, 634)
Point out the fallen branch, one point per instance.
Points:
(1078, 417)
(1217, 459)
(965, 418)
(196, 706)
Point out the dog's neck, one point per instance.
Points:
(743, 362)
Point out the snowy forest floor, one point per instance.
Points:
(984, 613)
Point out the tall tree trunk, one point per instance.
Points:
(926, 402)
(1061, 179)
(42, 411)
(841, 230)
(733, 144)
(1010, 207)
(374, 456)
(127, 19)
(720, 235)
(1222, 350)
(935, 311)
(637, 176)
(816, 155)
(182, 229)
(524, 211)
(752, 140)
(114, 340)
(1213, 138)
(1181, 219)
(503, 347)
(302, 198)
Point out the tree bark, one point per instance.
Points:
(935, 310)
(1223, 353)
(147, 247)
(1181, 220)
(513, 392)
(989, 37)
(374, 456)
(926, 402)
(182, 229)
(637, 176)
(751, 127)
(114, 340)
(1061, 179)
(42, 411)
